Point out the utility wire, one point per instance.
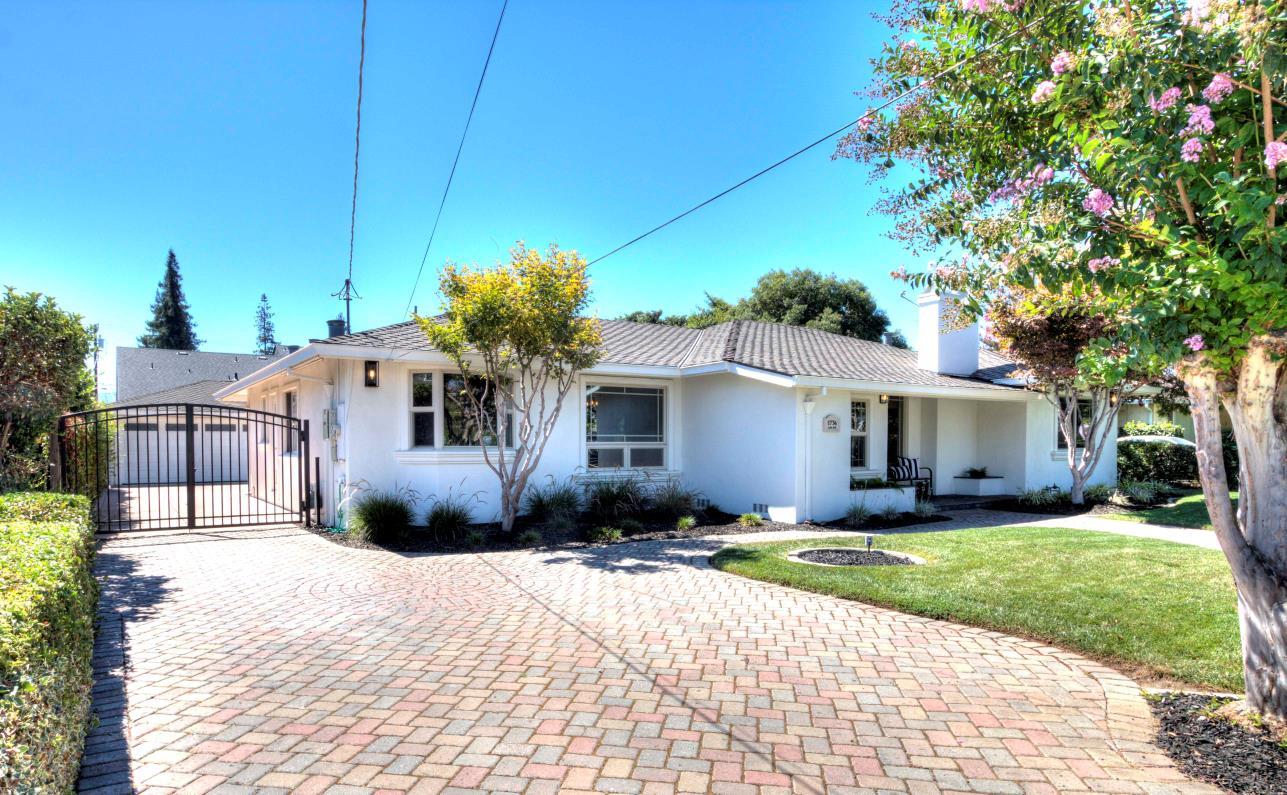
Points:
(459, 148)
(346, 292)
(823, 139)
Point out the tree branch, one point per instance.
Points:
(1268, 121)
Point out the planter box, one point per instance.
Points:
(902, 498)
(990, 486)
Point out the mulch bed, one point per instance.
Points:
(852, 557)
(1215, 749)
(709, 523)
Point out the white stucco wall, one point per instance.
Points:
(999, 444)
(1046, 463)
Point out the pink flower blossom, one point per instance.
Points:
(977, 6)
(1195, 343)
(1103, 263)
(1062, 63)
(1166, 101)
(1199, 120)
(1045, 90)
(1221, 86)
(1191, 152)
(899, 273)
(1196, 13)
(1098, 202)
(1275, 153)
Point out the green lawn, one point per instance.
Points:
(1158, 610)
(1188, 511)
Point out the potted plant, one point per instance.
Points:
(976, 482)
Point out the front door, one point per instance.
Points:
(894, 430)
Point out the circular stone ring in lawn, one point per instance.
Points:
(849, 556)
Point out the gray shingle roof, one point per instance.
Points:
(790, 350)
(198, 392)
(142, 371)
(993, 366)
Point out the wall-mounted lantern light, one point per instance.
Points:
(884, 399)
(372, 369)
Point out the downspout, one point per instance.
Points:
(809, 406)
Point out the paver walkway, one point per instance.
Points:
(271, 660)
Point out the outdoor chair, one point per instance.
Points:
(909, 471)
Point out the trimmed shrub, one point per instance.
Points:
(672, 500)
(686, 523)
(529, 538)
(857, 515)
(44, 506)
(602, 535)
(381, 517)
(552, 500)
(48, 599)
(615, 499)
(1159, 428)
(448, 518)
(750, 520)
(1139, 460)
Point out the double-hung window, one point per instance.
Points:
(1083, 423)
(625, 427)
(858, 434)
(422, 409)
(462, 423)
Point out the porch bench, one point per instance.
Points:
(910, 472)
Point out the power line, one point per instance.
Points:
(459, 148)
(869, 114)
(346, 292)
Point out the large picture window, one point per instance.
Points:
(858, 427)
(422, 409)
(1083, 423)
(625, 427)
(461, 424)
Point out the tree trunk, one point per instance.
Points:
(1254, 539)
(1078, 491)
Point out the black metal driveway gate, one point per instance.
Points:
(169, 466)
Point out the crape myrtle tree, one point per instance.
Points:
(1133, 152)
(1054, 340)
(518, 333)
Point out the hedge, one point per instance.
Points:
(1161, 462)
(48, 599)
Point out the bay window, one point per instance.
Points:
(625, 427)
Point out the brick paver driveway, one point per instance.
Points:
(275, 661)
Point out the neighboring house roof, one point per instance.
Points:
(199, 392)
(143, 371)
(775, 347)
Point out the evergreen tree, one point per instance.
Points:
(171, 325)
(265, 333)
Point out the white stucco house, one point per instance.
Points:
(755, 416)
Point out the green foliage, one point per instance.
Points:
(858, 484)
(530, 537)
(448, 518)
(890, 513)
(602, 535)
(48, 600)
(1043, 498)
(552, 500)
(265, 332)
(686, 523)
(672, 500)
(924, 509)
(614, 499)
(1164, 610)
(630, 526)
(1099, 493)
(896, 339)
(42, 375)
(976, 472)
(857, 515)
(1159, 428)
(171, 325)
(750, 520)
(381, 517)
(1190, 510)
(475, 539)
(43, 506)
(1229, 449)
(1141, 460)
(1141, 492)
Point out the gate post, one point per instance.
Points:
(304, 475)
(191, 467)
(56, 455)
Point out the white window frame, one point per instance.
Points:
(667, 413)
(865, 434)
(432, 409)
(1060, 447)
(440, 451)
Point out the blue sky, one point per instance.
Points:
(225, 131)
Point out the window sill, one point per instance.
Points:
(616, 473)
(1062, 455)
(428, 456)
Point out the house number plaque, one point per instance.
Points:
(830, 423)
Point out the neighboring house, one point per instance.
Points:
(148, 371)
(756, 416)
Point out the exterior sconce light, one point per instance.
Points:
(884, 399)
(372, 373)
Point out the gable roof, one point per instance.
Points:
(198, 392)
(993, 366)
(775, 347)
(144, 371)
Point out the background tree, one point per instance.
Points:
(42, 374)
(171, 325)
(896, 339)
(265, 333)
(1134, 152)
(800, 297)
(518, 335)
